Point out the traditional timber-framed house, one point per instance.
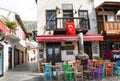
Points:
(108, 23)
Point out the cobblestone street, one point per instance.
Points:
(29, 72)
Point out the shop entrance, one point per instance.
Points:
(10, 58)
(88, 49)
(1, 60)
(53, 52)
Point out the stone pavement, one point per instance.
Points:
(23, 72)
(29, 72)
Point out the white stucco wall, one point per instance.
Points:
(110, 15)
(5, 57)
(77, 4)
(66, 57)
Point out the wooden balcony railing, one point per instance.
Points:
(60, 23)
(110, 27)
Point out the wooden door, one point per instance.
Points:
(53, 52)
(88, 49)
(10, 58)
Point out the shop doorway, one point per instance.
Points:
(88, 49)
(16, 57)
(10, 58)
(53, 52)
(1, 60)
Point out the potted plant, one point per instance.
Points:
(10, 24)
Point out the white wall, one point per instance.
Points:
(66, 57)
(77, 4)
(110, 15)
(5, 57)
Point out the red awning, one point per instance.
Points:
(93, 37)
(59, 38)
(4, 28)
(56, 38)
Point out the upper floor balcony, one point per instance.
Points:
(108, 19)
(109, 28)
(59, 24)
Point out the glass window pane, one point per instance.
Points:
(50, 51)
(51, 16)
(85, 13)
(85, 22)
(81, 13)
(57, 51)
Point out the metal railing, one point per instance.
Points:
(60, 23)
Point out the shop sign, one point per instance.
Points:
(116, 55)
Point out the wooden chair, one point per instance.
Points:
(100, 61)
(117, 68)
(78, 72)
(59, 70)
(109, 69)
(97, 73)
(68, 72)
(90, 64)
(95, 63)
(48, 73)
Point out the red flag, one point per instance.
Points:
(70, 28)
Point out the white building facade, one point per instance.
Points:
(12, 47)
(54, 43)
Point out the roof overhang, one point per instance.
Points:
(109, 6)
(59, 38)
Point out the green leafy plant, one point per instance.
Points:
(10, 24)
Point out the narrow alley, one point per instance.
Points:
(23, 72)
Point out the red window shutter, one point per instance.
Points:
(70, 28)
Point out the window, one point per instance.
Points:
(50, 19)
(67, 15)
(100, 19)
(50, 51)
(116, 46)
(118, 18)
(85, 22)
(69, 52)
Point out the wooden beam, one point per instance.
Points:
(103, 13)
(111, 3)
